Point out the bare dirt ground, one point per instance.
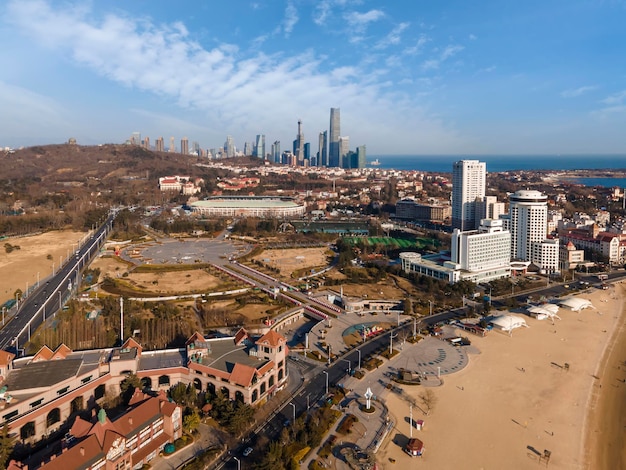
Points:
(109, 266)
(36, 256)
(387, 289)
(173, 282)
(295, 259)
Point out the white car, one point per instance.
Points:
(248, 451)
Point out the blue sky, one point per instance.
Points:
(410, 77)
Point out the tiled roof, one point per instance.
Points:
(272, 339)
(242, 375)
(61, 352)
(6, 358)
(44, 354)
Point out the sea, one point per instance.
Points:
(500, 163)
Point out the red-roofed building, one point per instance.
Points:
(130, 441)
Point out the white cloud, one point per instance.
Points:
(228, 89)
(616, 98)
(291, 18)
(418, 47)
(575, 92)
(450, 51)
(472, 37)
(445, 54)
(393, 38)
(363, 19)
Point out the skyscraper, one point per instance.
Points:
(135, 138)
(322, 152)
(184, 146)
(229, 147)
(146, 142)
(528, 222)
(468, 185)
(334, 156)
(299, 150)
(159, 146)
(344, 149)
(361, 157)
(259, 146)
(276, 151)
(172, 145)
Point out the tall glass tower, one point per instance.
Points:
(335, 131)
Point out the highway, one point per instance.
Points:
(48, 297)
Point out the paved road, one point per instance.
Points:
(48, 298)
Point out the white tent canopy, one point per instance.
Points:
(576, 303)
(541, 312)
(508, 322)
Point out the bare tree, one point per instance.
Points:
(429, 400)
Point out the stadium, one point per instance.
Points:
(249, 206)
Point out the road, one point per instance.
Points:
(48, 298)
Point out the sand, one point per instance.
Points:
(35, 259)
(515, 399)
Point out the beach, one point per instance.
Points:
(554, 388)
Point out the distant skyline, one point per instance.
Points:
(418, 77)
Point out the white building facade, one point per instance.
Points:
(484, 254)
(468, 186)
(528, 216)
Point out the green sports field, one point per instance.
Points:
(392, 243)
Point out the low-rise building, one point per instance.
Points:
(41, 393)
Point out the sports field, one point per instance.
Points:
(391, 242)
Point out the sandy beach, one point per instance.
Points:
(516, 398)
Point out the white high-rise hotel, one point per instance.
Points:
(468, 186)
(528, 219)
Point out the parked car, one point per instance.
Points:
(247, 451)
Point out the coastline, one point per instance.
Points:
(516, 399)
(604, 444)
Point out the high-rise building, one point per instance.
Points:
(276, 151)
(485, 252)
(468, 186)
(489, 208)
(307, 153)
(135, 138)
(248, 149)
(146, 142)
(528, 222)
(259, 146)
(229, 147)
(344, 149)
(159, 146)
(172, 145)
(361, 157)
(299, 147)
(184, 146)
(334, 154)
(322, 149)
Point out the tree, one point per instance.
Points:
(6, 445)
(128, 386)
(191, 422)
(429, 400)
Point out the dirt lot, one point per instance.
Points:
(36, 256)
(175, 282)
(296, 259)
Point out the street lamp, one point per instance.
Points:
(294, 412)
(238, 463)
(430, 303)
(349, 365)
(359, 351)
(326, 372)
